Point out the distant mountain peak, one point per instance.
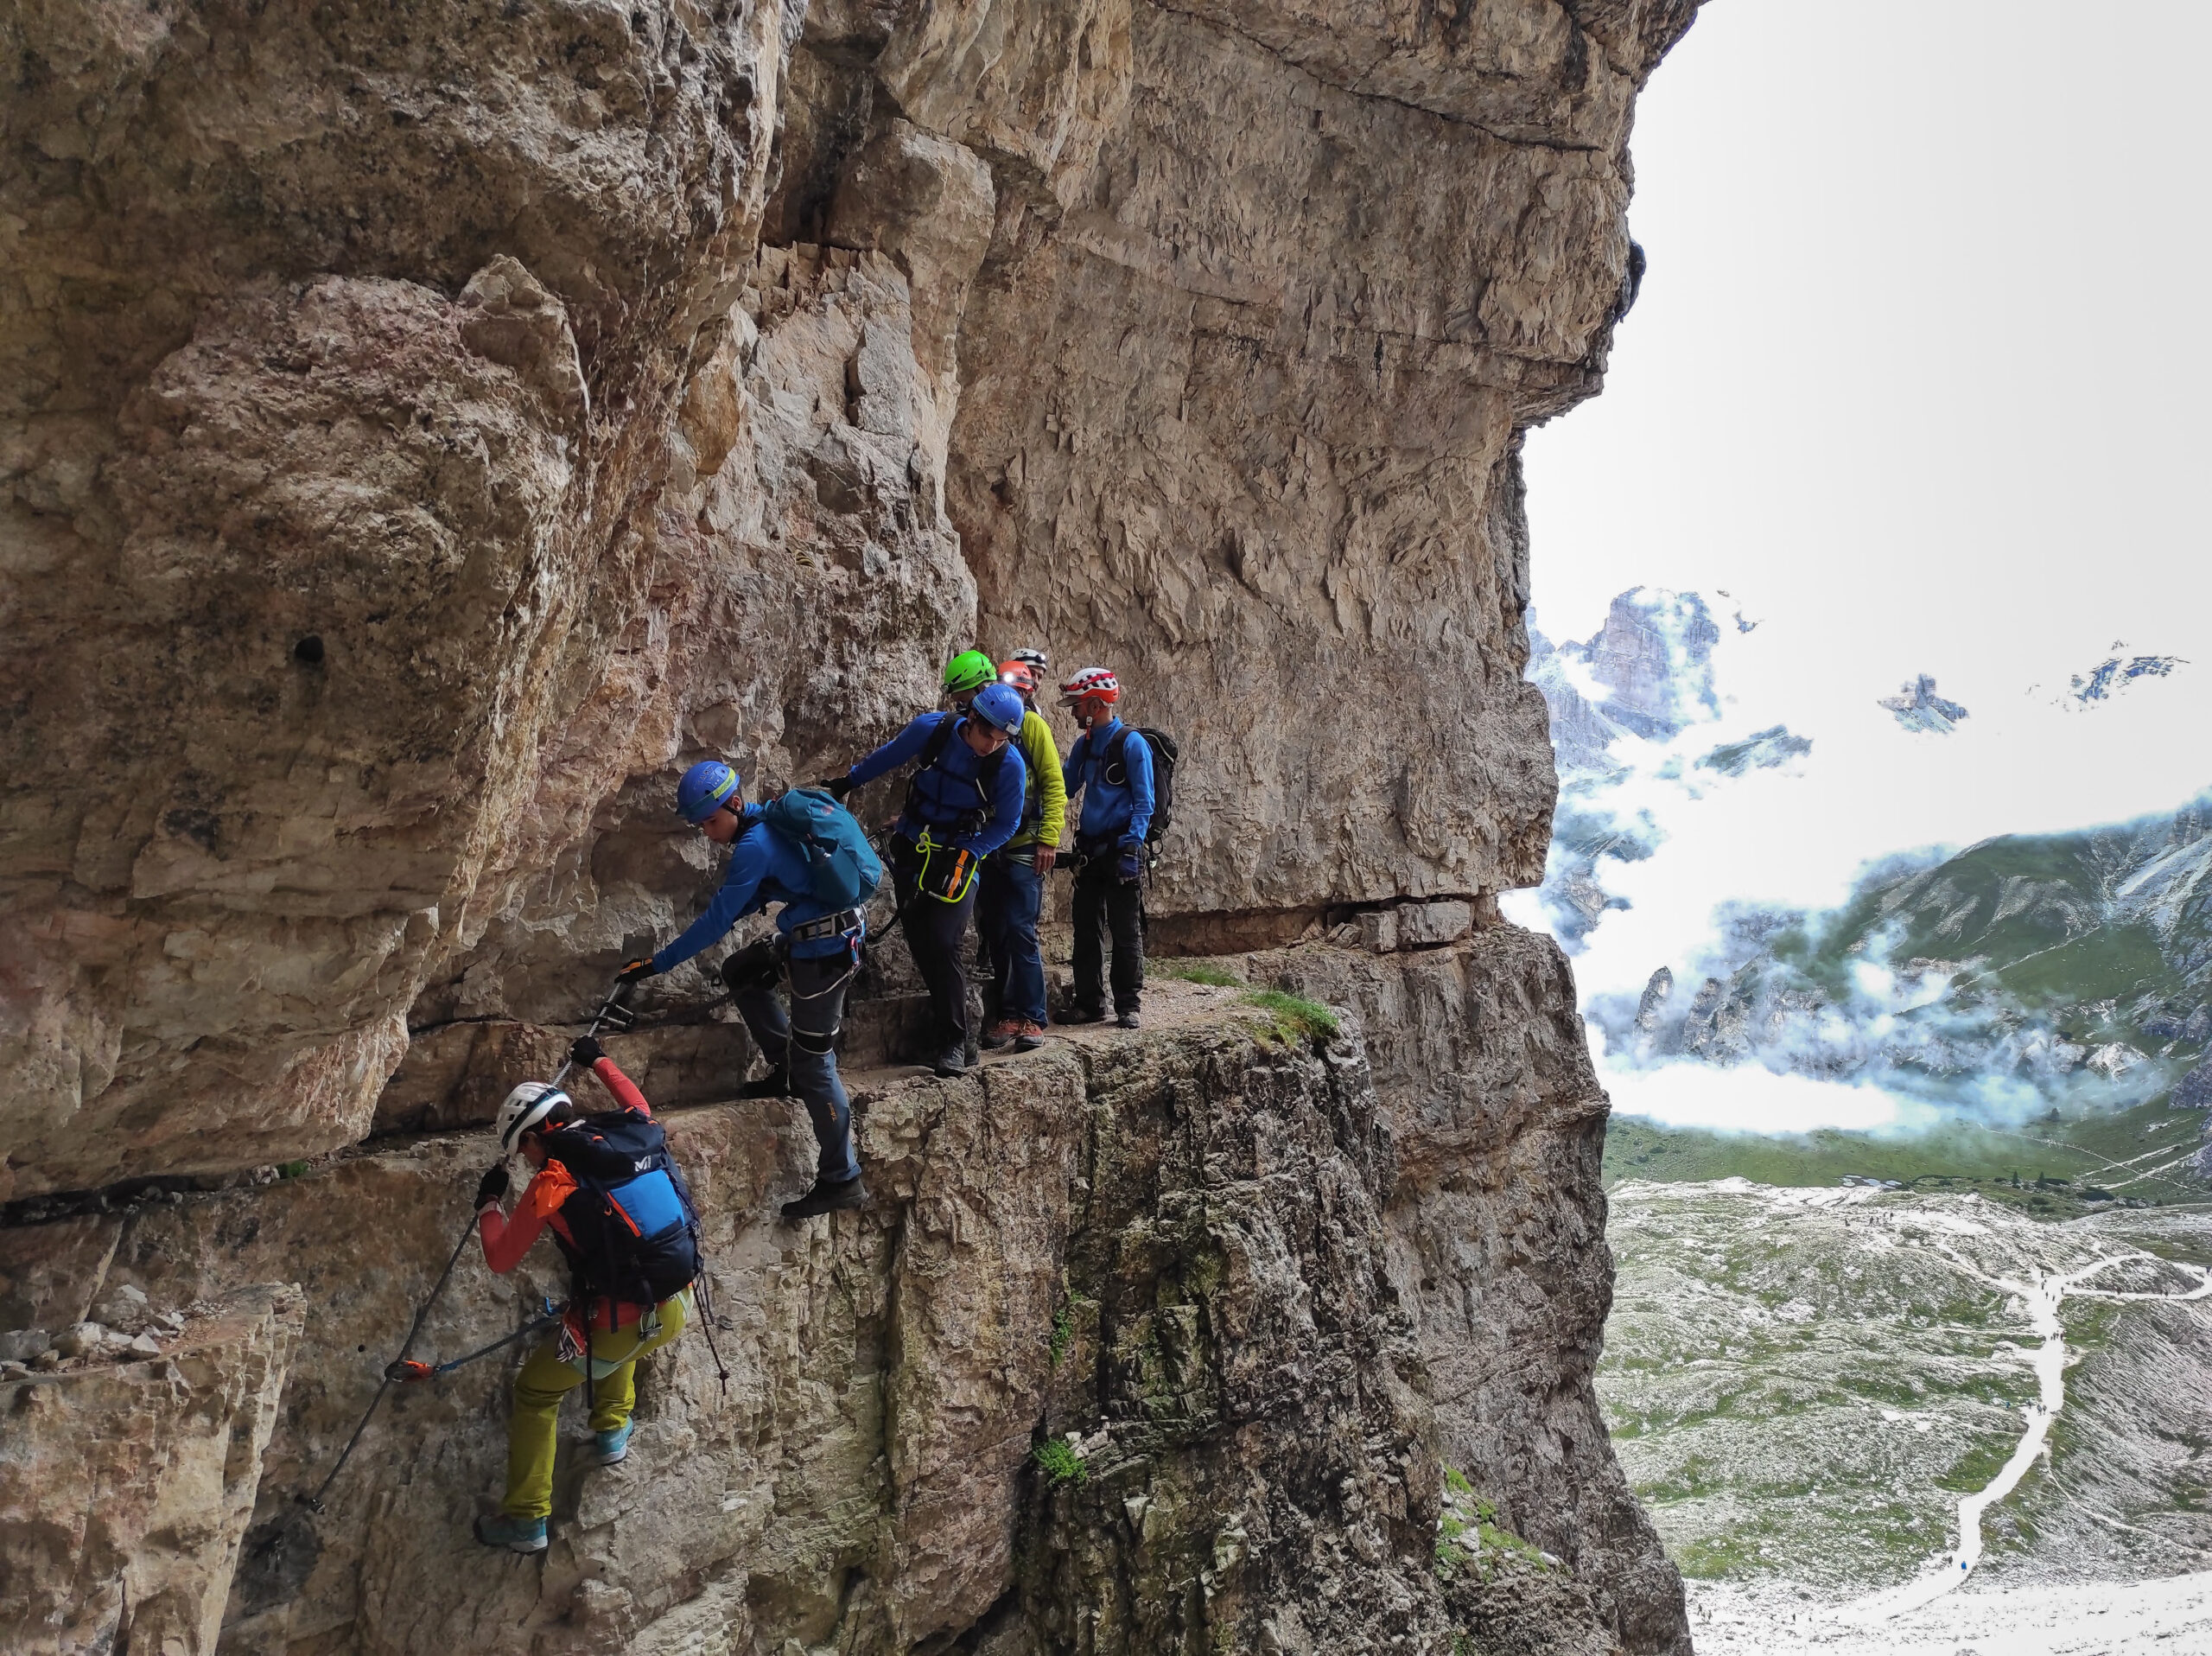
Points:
(2116, 672)
(1761, 750)
(1648, 672)
(1918, 708)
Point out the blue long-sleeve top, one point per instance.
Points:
(1117, 811)
(764, 868)
(950, 793)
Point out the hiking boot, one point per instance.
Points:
(609, 1447)
(949, 1062)
(1087, 1014)
(1000, 1033)
(776, 1084)
(515, 1534)
(1029, 1036)
(828, 1196)
(1128, 1020)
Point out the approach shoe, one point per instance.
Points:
(828, 1196)
(1029, 1036)
(1001, 1032)
(949, 1062)
(609, 1447)
(515, 1534)
(1128, 1020)
(776, 1084)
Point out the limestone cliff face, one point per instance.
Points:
(426, 428)
(1165, 1251)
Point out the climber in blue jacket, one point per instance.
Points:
(824, 947)
(963, 803)
(1111, 766)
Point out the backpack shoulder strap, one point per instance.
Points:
(1117, 756)
(939, 740)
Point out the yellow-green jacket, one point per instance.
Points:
(1042, 754)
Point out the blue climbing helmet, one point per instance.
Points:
(999, 705)
(705, 788)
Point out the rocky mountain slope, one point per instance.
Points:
(426, 429)
(1825, 1394)
(2028, 973)
(2022, 974)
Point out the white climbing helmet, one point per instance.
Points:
(526, 1107)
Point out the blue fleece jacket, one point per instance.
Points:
(951, 791)
(764, 868)
(1119, 811)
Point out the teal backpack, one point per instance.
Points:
(842, 868)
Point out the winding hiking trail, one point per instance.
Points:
(2043, 1295)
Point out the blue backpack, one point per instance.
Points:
(843, 869)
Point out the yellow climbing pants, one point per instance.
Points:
(546, 1378)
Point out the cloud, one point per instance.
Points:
(1683, 847)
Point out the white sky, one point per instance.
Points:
(1919, 375)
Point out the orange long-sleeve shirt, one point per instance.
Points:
(507, 1237)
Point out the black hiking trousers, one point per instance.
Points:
(1102, 900)
(937, 933)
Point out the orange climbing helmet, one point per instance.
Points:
(1021, 676)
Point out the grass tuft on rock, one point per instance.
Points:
(1294, 1018)
(1470, 1538)
(1059, 1461)
(1197, 972)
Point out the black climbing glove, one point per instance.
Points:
(1132, 864)
(587, 1051)
(835, 787)
(492, 1188)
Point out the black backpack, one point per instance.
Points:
(1163, 751)
(635, 1229)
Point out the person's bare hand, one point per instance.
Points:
(1043, 857)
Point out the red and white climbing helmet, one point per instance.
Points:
(1097, 682)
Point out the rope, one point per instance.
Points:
(792, 989)
(537, 1325)
(314, 1502)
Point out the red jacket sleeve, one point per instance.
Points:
(624, 1089)
(506, 1239)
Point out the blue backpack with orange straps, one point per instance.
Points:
(635, 1231)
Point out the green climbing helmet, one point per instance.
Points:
(968, 671)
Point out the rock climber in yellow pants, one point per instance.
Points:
(607, 1192)
(547, 1377)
